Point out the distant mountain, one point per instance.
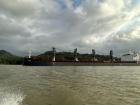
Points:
(58, 53)
(5, 53)
(48, 55)
(8, 58)
(69, 56)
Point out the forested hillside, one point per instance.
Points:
(8, 58)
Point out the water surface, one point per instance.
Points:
(20, 85)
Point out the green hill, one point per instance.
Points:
(8, 58)
(69, 56)
(60, 56)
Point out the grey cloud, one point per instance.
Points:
(41, 24)
(8, 28)
(19, 8)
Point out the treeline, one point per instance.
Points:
(8, 58)
(68, 56)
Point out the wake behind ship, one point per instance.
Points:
(52, 60)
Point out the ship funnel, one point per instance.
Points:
(54, 53)
(111, 56)
(75, 55)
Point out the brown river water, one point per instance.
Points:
(71, 85)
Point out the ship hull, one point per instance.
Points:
(91, 64)
(69, 63)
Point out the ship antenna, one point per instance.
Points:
(75, 55)
(30, 54)
(111, 56)
(93, 54)
(137, 58)
(54, 53)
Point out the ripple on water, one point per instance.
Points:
(11, 96)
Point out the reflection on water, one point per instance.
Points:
(21, 85)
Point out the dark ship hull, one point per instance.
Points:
(92, 61)
(29, 62)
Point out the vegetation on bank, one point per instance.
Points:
(8, 58)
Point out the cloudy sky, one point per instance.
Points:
(67, 24)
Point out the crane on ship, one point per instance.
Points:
(75, 54)
(135, 56)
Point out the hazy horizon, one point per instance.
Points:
(39, 25)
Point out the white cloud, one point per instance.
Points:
(19, 8)
(41, 24)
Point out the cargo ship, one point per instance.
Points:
(37, 61)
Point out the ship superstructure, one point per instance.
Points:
(54, 59)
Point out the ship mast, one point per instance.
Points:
(54, 53)
(30, 54)
(111, 56)
(75, 55)
(93, 54)
(137, 58)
